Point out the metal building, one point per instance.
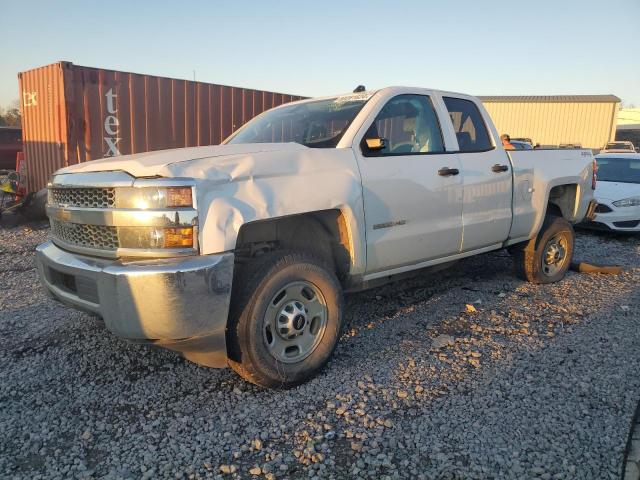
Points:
(629, 125)
(585, 120)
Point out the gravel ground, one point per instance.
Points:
(538, 381)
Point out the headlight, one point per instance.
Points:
(155, 237)
(628, 202)
(154, 197)
(173, 232)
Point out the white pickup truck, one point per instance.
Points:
(238, 254)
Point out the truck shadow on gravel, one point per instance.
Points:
(484, 282)
(387, 302)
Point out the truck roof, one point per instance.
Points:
(369, 93)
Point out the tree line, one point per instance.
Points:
(10, 116)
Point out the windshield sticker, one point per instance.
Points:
(355, 97)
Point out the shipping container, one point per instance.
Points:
(73, 114)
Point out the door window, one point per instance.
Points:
(469, 125)
(409, 125)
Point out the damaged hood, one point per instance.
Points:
(239, 184)
(168, 163)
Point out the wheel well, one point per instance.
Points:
(323, 233)
(562, 200)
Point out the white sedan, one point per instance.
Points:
(618, 192)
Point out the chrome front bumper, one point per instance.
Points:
(179, 303)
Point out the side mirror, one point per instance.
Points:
(375, 144)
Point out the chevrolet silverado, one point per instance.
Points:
(238, 254)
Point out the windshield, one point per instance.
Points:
(318, 124)
(625, 170)
(521, 145)
(618, 146)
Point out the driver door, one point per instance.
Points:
(412, 187)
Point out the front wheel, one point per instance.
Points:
(285, 320)
(546, 258)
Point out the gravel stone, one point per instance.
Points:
(540, 380)
(442, 341)
(255, 471)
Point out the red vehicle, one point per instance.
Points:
(10, 145)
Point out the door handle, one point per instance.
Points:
(447, 172)
(499, 168)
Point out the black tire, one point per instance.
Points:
(529, 257)
(37, 207)
(259, 283)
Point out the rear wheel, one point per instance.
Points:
(546, 258)
(285, 319)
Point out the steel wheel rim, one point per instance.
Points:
(554, 255)
(295, 322)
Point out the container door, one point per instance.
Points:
(44, 126)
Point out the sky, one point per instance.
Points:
(323, 48)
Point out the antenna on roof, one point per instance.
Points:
(359, 88)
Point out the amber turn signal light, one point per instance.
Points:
(179, 197)
(178, 237)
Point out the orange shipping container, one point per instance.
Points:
(73, 114)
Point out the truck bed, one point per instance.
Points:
(536, 173)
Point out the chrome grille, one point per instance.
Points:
(83, 197)
(103, 237)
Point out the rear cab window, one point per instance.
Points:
(469, 126)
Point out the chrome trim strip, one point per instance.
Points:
(163, 182)
(125, 217)
(115, 178)
(92, 179)
(128, 252)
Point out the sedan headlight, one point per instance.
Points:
(628, 202)
(144, 198)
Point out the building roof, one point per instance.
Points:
(551, 99)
